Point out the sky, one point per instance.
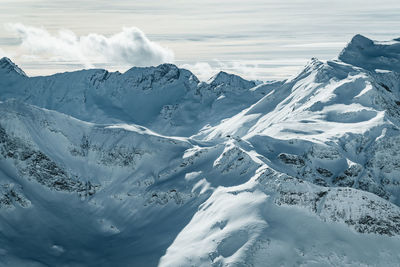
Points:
(257, 39)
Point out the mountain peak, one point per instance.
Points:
(163, 68)
(222, 76)
(368, 54)
(9, 66)
(229, 79)
(361, 40)
(164, 71)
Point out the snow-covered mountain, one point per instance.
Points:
(153, 167)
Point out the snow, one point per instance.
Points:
(371, 55)
(154, 168)
(6, 65)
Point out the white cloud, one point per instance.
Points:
(251, 70)
(202, 70)
(205, 70)
(128, 47)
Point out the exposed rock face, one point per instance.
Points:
(11, 196)
(363, 212)
(33, 164)
(10, 68)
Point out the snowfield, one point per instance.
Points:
(154, 168)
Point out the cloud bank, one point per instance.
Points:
(205, 70)
(128, 47)
(252, 70)
(40, 52)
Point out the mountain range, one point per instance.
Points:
(153, 167)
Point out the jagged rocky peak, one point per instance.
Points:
(164, 72)
(10, 67)
(161, 69)
(230, 80)
(371, 55)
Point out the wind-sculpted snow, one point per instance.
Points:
(154, 168)
(275, 219)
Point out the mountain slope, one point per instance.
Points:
(333, 124)
(154, 168)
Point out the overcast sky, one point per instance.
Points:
(264, 40)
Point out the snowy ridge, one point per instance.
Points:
(9, 67)
(154, 168)
(372, 55)
(165, 98)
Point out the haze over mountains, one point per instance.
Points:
(153, 167)
(256, 39)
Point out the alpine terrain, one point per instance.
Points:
(152, 167)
